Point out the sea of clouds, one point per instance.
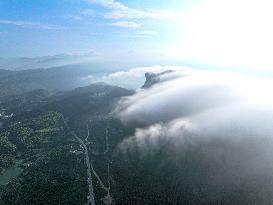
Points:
(224, 119)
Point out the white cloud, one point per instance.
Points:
(139, 14)
(230, 146)
(111, 4)
(206, 125)
(217, 104)
(120, 11)
(134, 78)
(30, 24)
(153, 136)
(126, 24)
(138, 73)
(192, 91)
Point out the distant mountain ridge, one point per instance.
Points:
(69, 102)
(52, 79)
(24, 63)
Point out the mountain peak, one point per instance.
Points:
(153, 78)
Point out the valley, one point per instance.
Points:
(74, 143)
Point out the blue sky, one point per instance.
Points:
(219, 33)
(34, 28)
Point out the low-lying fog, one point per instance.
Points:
(220, 122)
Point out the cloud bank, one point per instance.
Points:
(187, 92)
(134, 78)
(219, 124)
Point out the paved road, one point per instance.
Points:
(90, 197)
(108, 198)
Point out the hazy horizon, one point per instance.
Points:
(136, 102)
(229, 35)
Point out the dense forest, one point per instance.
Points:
(50, 162)
(43, 160)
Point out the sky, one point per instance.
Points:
(234, 34)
